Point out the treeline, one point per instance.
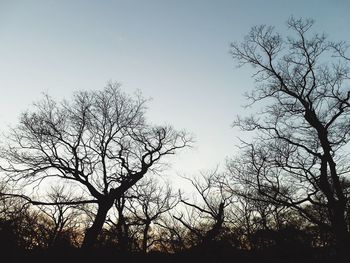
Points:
(153, 218)
(84, 173)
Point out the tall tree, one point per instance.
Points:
(298, 157)
(99, 141)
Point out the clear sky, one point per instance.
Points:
(175, 52)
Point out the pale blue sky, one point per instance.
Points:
(176, 52)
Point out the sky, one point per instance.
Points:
(174, 52)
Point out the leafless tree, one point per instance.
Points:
(98, 142)
(149, 202)
(120, 225)
(299, 155)
(174, 236)
(209, 212)
(65, 219)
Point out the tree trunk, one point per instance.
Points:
(93, 232)
(122, 233)
(145, 238)
(336, 206)
(341, 234)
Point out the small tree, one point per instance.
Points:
(298, 157)
(148, 205)
(209, 212)
(64, 220)
(99, 142)
(119, 227)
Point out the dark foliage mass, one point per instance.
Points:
(81, 179)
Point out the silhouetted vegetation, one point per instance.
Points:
(81, 178)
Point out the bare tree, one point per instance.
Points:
(148, 204)
(120, 225)
(209, 212)
(299, 156)
(99, 142)
(65, 219)
(174, 236)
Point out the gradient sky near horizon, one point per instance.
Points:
(175, 52)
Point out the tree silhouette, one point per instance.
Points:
(298, 157)
(98, 142)
(210, 211)
(119, 229)
(64, 219)
(148, 204)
